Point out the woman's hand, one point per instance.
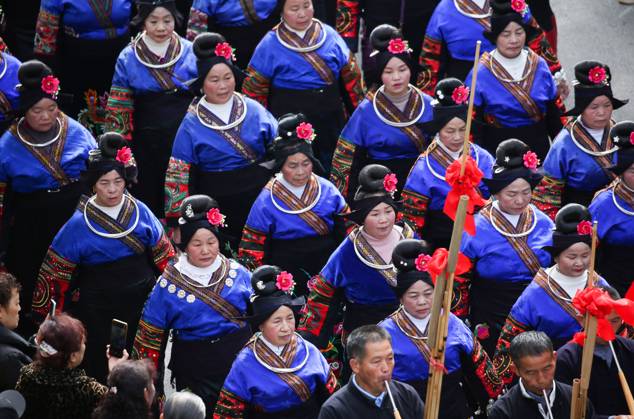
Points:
(563, 89)
(113, 360)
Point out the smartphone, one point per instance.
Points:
(118, 337)
(51, 313)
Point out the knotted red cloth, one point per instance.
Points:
(598, 303)
(438, 264)
(463, 185)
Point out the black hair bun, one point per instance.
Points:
(263, 280)
(406, 251)
(510, 153)
(195, 207)
(204, 44)
(501, 7)
(31, 73)
(110, 143)
(582, 73)
(371, 177)
(288, 123)
(444, 91)
(623, 134)
(381, 36)
(570, 216)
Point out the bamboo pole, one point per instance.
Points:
(580, 385)
(441, 307)
(624, 385)
(474, 78)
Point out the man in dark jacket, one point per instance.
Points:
(537, 395)
(365, 396)
(14, 350)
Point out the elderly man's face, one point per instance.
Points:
(537, 372)
(375, 367)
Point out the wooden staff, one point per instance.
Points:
(441, 307)
(467, 132)
(624, 385)
(443, 290)
(580, 385)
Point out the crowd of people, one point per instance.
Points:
(258, 191)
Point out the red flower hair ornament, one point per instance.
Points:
(305, 132)
(398, 46)
(50, 86)
(460, 95)
(216, 218)
(519, 6)
(124, 156)
(584, 228)
(224, 49)
(632, 137)
(284, 282)
(530, 160)
(422, 261)
(598, 75)
(389, 183)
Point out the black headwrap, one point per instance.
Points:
(404, 258)
(145, 7)
(450, 101)
(36, 82)
(503, 13)
(592, 79)
(288, 143)
(370, 193)
(268, 296)
(510, 165)
(104, 160)
(567, 230)
(383, 39)
(194, 216)
(623, 136)
(205, 48)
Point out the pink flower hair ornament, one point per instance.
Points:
(304, 131)
(632, 137)
(50, 86)
(584, 228)
(530, 160)
(519, 6)
(422, 262)
(460, 95)
(398, 46)
(224, 49)
(284, 282)
(390, 182)
(598, 75)
(216, 218)
(124, 156)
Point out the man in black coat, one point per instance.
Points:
(365, 396)
(14, 350)
(605, 390)
(536, 395)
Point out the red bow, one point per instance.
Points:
(438, 264)
(463, 185)
(598, 303)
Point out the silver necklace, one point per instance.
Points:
(229, 125)
(399, 124)
(46, 144)
(304, 49)
(585, 150)
(111, 235)
(280, 370)
(300, 211)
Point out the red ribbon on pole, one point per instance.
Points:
(599, 304)
(463, 185)
(438, 263)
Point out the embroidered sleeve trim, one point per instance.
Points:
(353, 81)
(251, 250)
(502, 359)
(46, 30)
(430, 61)
(176, 186)
(162, 252)
(53, 281)
(485, 371)
(342, 164)
(120, 110)
(229, 406)
(318, 305)
(348, 18)
(148, 342)
(548, 194)
(414, 209)
(256, 86)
